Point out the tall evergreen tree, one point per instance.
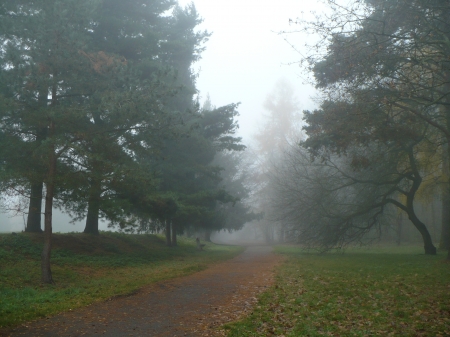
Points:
(46, 74)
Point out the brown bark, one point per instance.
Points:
(174, 234)
(445, 234)
(399, 231)
(168, 234)
(35, 205)
(430, 249)
(35, 209)
(207, 235)
(93, 208)
(444, 243)
(50, 187)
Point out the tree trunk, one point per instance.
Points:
(430, 249)
(35, 209)
(399, 229)
(174, 234)
(444, 242)
(445, 234)
(207, 235)
(35, 206)
(50, 191)
(268, 233)
(282, 233)
(93, 208)
(168, 234)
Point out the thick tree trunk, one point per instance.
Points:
(50, 191)
(35, 209)
(207, 235)
(430, 249)
(93, 208)
(445, 234)
(444, 242)
(174, 234)
(168, 234)
(268, 233)
(35, 206)
(282, 233)
(398, 239)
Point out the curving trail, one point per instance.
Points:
(195, 305)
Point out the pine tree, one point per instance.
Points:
(45, 75)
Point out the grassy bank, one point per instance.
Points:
(378, 292)
(89, 268)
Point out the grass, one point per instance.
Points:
(88, 269)
(377, 292)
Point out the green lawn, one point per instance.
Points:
(90, 268)
(377, 292)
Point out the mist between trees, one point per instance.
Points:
(373, 162)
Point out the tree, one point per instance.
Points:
(45, 73)
(102, 110)
(136, 32)
(445, 196)
(394, 50)
(187, 170)
(134, 106)
(234, 175)
(282, 123)
(340, 126)
(342, 199)
(281, 128)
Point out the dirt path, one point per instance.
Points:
(196, 305)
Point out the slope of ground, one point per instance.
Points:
(89, 269)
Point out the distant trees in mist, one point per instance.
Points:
(279, 129)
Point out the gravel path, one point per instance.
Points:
(195, 305)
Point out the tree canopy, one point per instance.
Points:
(383, 76)
(99, 115)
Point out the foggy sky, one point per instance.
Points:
(245, 56)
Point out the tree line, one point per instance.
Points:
(100, 118)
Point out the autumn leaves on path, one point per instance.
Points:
(196, 305)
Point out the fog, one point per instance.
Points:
(245, 56)
(10, 222)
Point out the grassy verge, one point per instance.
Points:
(89, 268)
(379, 292)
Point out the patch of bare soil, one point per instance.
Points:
(196, 305)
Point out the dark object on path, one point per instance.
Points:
(14, 233)
(199, 245)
